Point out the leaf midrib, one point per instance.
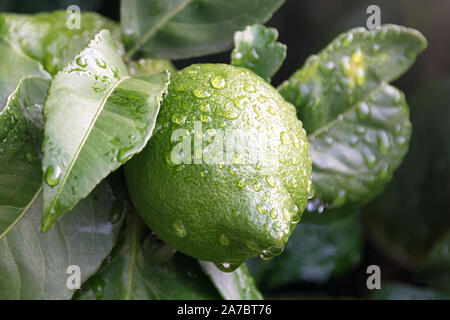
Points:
(352, 108)
(24, 212)
(81, 145)
(156, 27)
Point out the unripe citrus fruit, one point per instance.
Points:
(227, 172)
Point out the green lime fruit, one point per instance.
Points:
(227, 173)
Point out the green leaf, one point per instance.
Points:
(97, 118)
(358, 125)
(257, 49)
(131, 275)
(21, 128)
(236, 285)
(402, 291)
(14, 66)
(147, 67)
(315, 253)
(411, 216)
(46, 38)
(34, 264)
(178, 29)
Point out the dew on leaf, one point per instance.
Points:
(52, 175)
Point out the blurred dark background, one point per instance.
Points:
(406, 231)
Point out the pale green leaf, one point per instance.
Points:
(357, 124)
(257, 49)
(97, 118)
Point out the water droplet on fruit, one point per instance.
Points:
(218, 82)
(180, 231)
(227, 267)
(200, 93)
(231, 115)
(178, 118)
(261, 208)
(271, 181)
(285, 138)
(241, 183)
(205, 118)
(248, 87)
(273, 213)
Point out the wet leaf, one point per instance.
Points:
(316, 252)
(178, 29)
(257, 49)
(357, 124)
(46, 38)
(34, 265)
(21, 129)
(97, 118)
(411, 217)
(129, 275)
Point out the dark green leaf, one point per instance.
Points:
(21, 128)
(357, 124)
(129, 275)
(177, 29)
(34, 264)
(257, 49)
(147, 67)
(411, 217)
(314, 253)
(46, 38)
(97, 118)
(400, 291)
(236, 285)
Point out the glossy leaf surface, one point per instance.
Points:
(177, 29)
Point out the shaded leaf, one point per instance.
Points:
(21, 128)
(236, 285)
(97, 118)
(46, 38)
(34, 265)
(177, 29)
(411, 217)
(358, 125)
(401, 291)
(257, 49)
(129, 275)
(315, 253)
(146, 67)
